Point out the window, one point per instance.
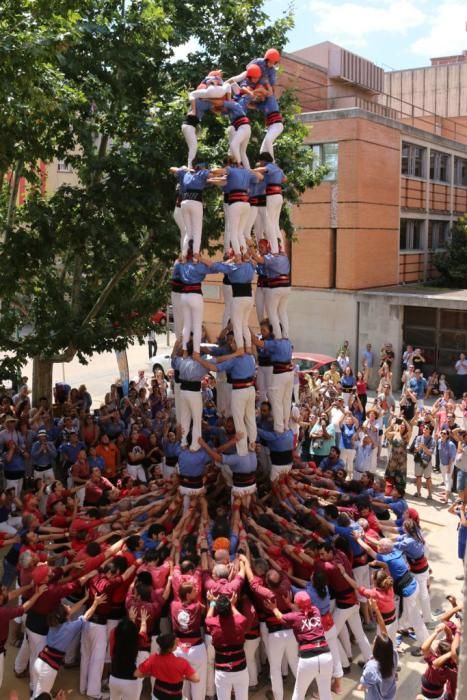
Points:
(411, 234)
(438, 234)
(327, 154)
(460, 171)
(64, 167)
(413, 160)
(439, 166)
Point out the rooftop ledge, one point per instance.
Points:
(361, 113)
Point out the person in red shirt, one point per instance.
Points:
(315, 659)
(347, 608)
(97, 489)
(168, 670)
(186, 613)
(94, 636)
(8, 613)
(227, 628)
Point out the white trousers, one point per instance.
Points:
(250, 222)
(192, 305)
(331, 638)
(136, 471)
(189, 134)
(93, 648)
(177, 400)
(277, 470)
(16, 484)
(45, 677)
(236, 681)
(191, 409)
(280, 395)
(348, 457)
(227, 294)
(259, 227)
(124, 689)
(226, 228)
(276, 301)
(412, 617)
(317, 667)
(273, 131)
(192, 212)
(238, 144)
(47, 475)
(361, 575)
(351, 616)
(447, 477)
(424, 602)
(212, 92)
(238, 215)
(251, 653)
(180, 221)
(198, 658)
(244, 416)
(30, 649)
(273, 230)
(177, 309)
(279, 644)
(260, 302)
(240, 314)
(263, 381)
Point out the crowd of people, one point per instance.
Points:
(218, 529)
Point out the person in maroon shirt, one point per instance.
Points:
(7, 614)
(227, 628)
(186, 614)
(274, 588)
(142, 597)
(97, 489)
(315, 658)
(94, 636)
(347, 608)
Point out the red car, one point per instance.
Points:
(307, 361)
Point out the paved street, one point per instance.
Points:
(440, 529)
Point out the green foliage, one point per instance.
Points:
(96, 83)
(452, 263)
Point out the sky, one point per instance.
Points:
(394, 34)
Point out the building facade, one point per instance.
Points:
(396, 148)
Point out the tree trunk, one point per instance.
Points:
(41, 380)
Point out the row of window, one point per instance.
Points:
(415, 164)
(412, 230)
(327, 154)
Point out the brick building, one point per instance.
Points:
(396, 146)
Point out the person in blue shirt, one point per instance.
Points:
(267, 64)
(240, 272)
(405, 586)
(280, 450)
(171, 446)
(63, 631)
(236, 182)
(193, 182)
(395, 502)
(192, 274)
(274, 178)
(418, 385)
(276, 269)
(281, 386)
(412, 543)
(190, 373)
(239, 132)
(447, 452)
(333, 461)
(191, 470)
(43, 455)
(239, 470)
(242, 369)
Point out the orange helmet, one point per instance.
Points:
(253, 71)
(272, 55)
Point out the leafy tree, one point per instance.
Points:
(452, 263)
(96, 83)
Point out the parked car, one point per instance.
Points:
(308, 361)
